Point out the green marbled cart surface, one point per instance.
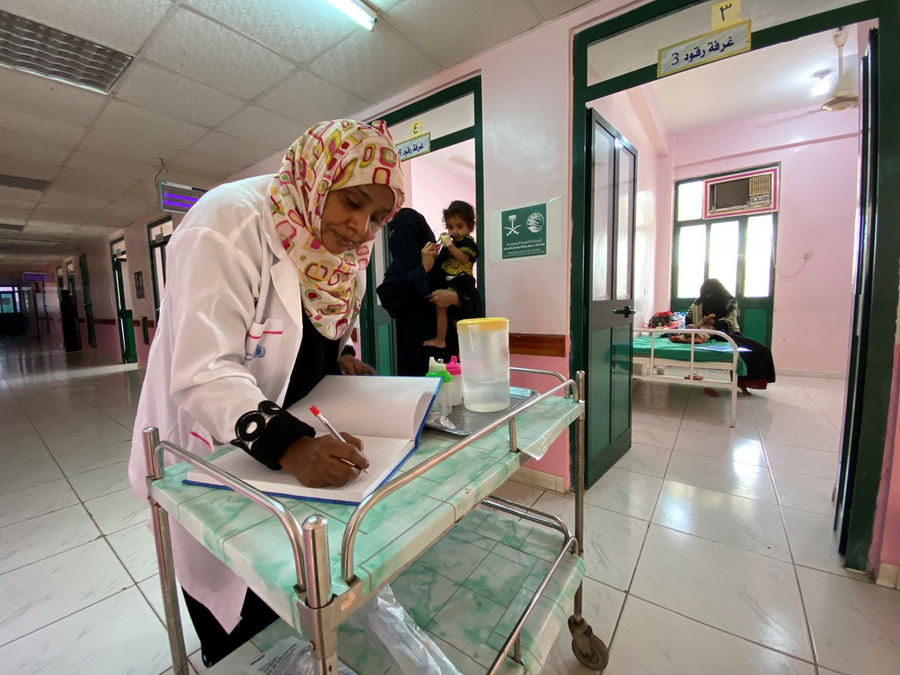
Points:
(395, 532)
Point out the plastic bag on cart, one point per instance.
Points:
(401, 642)
(290, 656)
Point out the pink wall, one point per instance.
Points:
(886, 531)
(819, 156)
(433, 189)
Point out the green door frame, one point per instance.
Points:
(879, 341)
(124, 317)
(368, 340)
(153, 245)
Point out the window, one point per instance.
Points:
(159, 234)
(9, 300)
(736, 250)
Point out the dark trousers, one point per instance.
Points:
(215, 643)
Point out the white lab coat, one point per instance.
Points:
(228, 335)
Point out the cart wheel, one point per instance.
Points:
(599, 657)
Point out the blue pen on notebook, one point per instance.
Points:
(331, 430)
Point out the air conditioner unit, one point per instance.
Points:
(742, 193)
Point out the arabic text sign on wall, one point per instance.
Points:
(420, 145)
(719, 44)
(524, 231)
(725, 14)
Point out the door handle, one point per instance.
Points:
(626, 311)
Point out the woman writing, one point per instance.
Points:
(717, 309)
(265, 277)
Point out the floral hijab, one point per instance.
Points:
(330, 156)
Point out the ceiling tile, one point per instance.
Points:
(300, 34)
(7, 205)
(436, 25)
(92, 231)
(375, 65)
(231, 151)
(50, 213)
(19, 193)
(14, 147)
(110, 217)
(27, 168)
(154, 88)
(122, 25)
(73, 200)
(77, 177)
(31, 126)
(47, 231)
(15, 218)
(40, 96)
(194, 46)
(103, 143)
(111, 166)
(550, 9)
(263, 127)
(141, 196)
(309, 99)
(196, 170)
(129, 120)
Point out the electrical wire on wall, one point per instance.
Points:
(788, 276)
(162, 167)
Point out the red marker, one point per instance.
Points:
(331, 430)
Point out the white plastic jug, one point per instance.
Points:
(484, 350)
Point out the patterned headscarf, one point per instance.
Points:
(330, 156)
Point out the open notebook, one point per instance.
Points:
(386, 413)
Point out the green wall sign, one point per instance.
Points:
(524, 232)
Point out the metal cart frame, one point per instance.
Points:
(320, 612)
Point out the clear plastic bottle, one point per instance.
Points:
(455, 371)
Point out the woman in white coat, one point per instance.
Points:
(265, 277)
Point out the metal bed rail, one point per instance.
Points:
(693, 332)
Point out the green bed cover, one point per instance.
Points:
(709, 351)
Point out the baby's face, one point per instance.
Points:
(457, 228)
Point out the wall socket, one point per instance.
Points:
(807, 255)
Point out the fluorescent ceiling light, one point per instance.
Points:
(357, 11)
(29, 242)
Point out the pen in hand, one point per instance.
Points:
(331, 430)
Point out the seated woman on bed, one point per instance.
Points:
(716, 309)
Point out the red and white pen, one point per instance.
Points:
(331, 430)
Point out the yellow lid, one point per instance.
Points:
(489, 323)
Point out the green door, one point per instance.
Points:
(607, 315)
(377, 328)
(88, 302)
(856, 528)
(124, 317)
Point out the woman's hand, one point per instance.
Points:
(708, 321)
(350, 365)
(444, 298)
(323, 461)
(429, 253)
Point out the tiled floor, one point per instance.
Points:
(708, 549)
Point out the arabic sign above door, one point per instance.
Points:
(713, 46)
(420, 145)
(524, 231)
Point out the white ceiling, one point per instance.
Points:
(216, 86)
(457, 160)
(762, 82)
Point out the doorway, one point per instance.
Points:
(70, 278)
(451, 168)
(88, 301)
(124, 316)
(634, 37)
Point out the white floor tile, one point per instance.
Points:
(526, 495)
(721, 446)
(38, 538)
(809, 493)
(651, 640)
(96, 427)
(748, 524)
(36, 595)
(612, 541)
(645, 459)
(602, 606)
(153, 592)
(99, 482)
(657, 405)
(117, 511)
(742, 593)
(17, 454)
(118, 635)
(814, 543)
(35, 501)
(824, 438)
(29, 475)
(96, 457)
(721, 475)
(803, 460)
(855, 624)
(136, 549)
(626, 492)
(84, 442)
(662, 418)
(745, 427)
(658, 437)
